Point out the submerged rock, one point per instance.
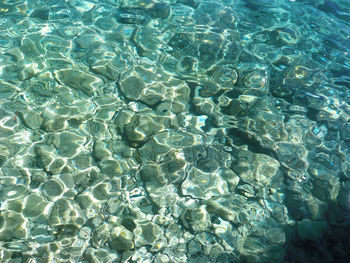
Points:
(79, 80)
(13, 226)
(147, 233)
(121, 239)
(153, 85)
(140, 128)
(196, 220)
(203, 185)
(32, 119)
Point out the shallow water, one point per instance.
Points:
(174, 131)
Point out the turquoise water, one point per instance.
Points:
(174, 131)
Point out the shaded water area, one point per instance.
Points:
(174, 131)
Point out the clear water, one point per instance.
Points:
(174, 131)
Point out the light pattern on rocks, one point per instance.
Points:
(174, 131)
